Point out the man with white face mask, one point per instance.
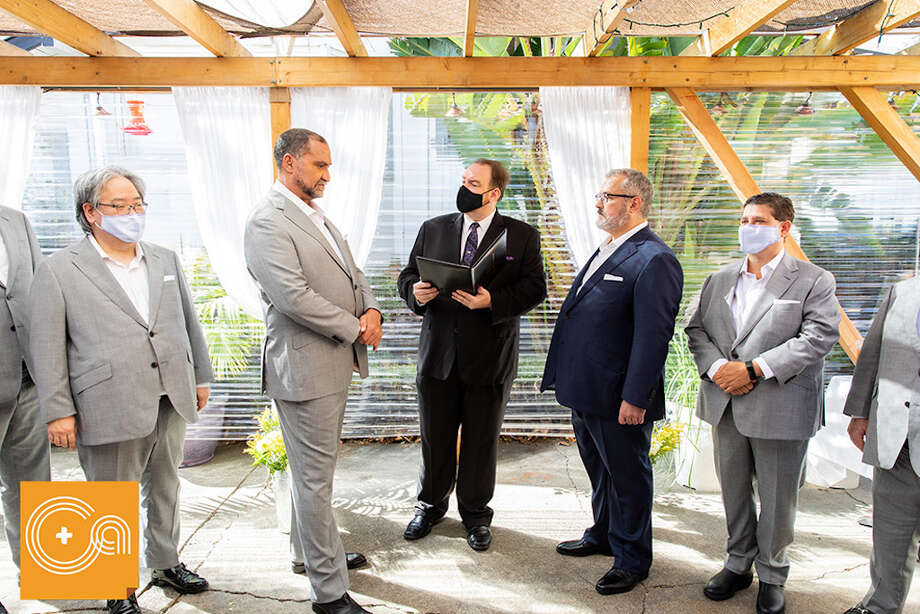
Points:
(759, 337)
(121, 363)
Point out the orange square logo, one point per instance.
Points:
(79, 540)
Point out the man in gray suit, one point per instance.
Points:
(23, 438)
(884, 406)
(320, 316)
(759, 337)
(120, 360)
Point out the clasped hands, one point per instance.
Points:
(371, 330)
(424, 292)
(733, 378)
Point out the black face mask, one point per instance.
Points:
(468, 201)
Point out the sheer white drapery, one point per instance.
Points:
(19, 106)
(354, 121)
(587, 134)
(227, 132)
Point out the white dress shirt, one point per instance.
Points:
(132, 278)
(4, 263)
(606, 250)
(747, 292)
(480, 232)
(316, 215)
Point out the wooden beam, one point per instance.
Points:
(194, 21)
(472, 15)
(500, 73)
(6, 49)
(743, 19)
(733, 169)
(343, 26)
(888, 124)
(279, 99)
(604, 24)
(639, 127)
(50, 19)
(872, 21)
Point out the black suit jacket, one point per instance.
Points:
(484, 342)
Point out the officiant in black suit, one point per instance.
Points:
(468, 349)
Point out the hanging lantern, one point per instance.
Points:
(805, 107)
(454, 110)
(137, 125)
(100, 110)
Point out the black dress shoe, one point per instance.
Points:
(180, 578)
(479, 538)
(858, 610)
(343, 605)
(123, 606)
(618, 581)
(770, 599)
(580, 547)
(353, 560)
(420, 525)
(726, 583)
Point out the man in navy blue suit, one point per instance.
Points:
(606, 363)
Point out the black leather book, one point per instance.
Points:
(450, 276)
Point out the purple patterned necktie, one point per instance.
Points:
(472, 241)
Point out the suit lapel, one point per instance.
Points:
(15, 243)
(297, 216)
(621, 255)
(343, 247)
(155, 273)
(90, 263)
(456, 228)
(782, 278)
(495, 228)
(726, 288)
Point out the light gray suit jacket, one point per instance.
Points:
(312, 302)
(96, 357)
(792, 328)
(24, 256)
(886, 382)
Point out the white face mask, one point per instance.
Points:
(129, 228)
(754, 238)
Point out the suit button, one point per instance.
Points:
(457, 331)
(13, 328)
(152, 333)
(906, 403)
(154, 365)
(734, 355)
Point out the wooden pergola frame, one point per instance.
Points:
(822, 64)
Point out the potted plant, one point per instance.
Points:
(232, 336)
(266, 448)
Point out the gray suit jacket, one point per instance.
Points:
(792, 328)
(886, 382)
(96, 357)
(24, 256)
(311, 299)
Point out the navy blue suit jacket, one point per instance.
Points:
(611, 339)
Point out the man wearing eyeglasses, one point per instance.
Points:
(121, 363)
(606, 363)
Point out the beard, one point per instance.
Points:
(609, 223)
(308, 191)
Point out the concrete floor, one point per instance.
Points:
(230, 536)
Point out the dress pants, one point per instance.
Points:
(154, 462)
(24, 450)
(895, 531)
(445, 406)
(777, 465)
(311, 431)
(616, 458)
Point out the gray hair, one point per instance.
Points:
(295, 141)
(88, 189)
(636, 183)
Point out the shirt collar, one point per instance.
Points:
(766, 270)
(311, 209)
(468, 221)
(611, 243)
(138, 253)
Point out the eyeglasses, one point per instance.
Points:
(607, 196)
(125, 209)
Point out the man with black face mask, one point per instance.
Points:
(468, 350)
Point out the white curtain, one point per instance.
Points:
(353, 120)
(587, 134)
(227, 132)
(18, 111)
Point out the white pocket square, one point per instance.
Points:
(785, 301)
(609, 277)
(169, 278)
